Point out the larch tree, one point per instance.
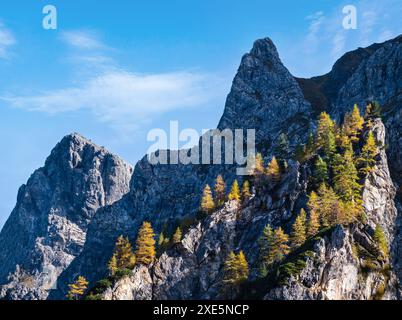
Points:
(77, 289)
(313, 223)
(346, 178)
(313, 206)
(367, 159)
(112, 265)
(207, 201)
(245, 192)
(273, 170)
(328, 206)
(177, 236)
(220, 191)
(298, 235)
(123, 256)
(235, 269)
(353, 124)
(234, 192)
(242, 267)
(259, 170)
(145, 252)
(279, 247)
(259, 165)
(229, 269)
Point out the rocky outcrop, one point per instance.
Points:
(339, 267)
(335, 272)
(47, 228)
(267, 98)
(137, 286)
(367, 74)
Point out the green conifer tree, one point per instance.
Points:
(321, 171)
(265, 242)
(346, 178)
(282, 147)
(326, 135)
(367, 159)
(381, 241)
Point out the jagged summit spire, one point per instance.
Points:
(76, 137)
(264, 48)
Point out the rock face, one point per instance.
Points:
(338, 269)
(138, 286)
(265, 97)
(366, 74)
(47, 228)
(335, 268)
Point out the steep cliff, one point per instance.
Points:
(47, 228)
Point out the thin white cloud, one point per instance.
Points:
(385, 35)
(312, 38)
(367, 24)
(114, 95)
(82, 39)
(338, 44)
(123, 99)
(7, 39)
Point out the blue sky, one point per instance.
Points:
(113, 70)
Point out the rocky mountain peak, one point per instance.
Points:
(48, 225)
(265, 50)
(263, 92)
